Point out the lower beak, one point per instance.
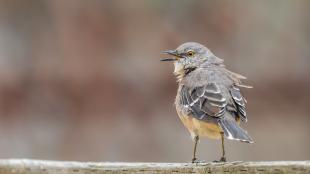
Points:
(170, 52)
(169, 59)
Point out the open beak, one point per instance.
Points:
(170, 52)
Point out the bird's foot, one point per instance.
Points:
(196, 161)
(222, 160)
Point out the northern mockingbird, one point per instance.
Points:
(208, 101)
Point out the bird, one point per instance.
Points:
(209, 101)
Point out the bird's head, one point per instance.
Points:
(189, 56)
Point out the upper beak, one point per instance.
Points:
(171, 52)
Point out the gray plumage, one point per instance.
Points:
(208, 91)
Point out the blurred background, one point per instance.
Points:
(81, 80)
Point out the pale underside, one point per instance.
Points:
(200, 128)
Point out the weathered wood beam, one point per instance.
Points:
(27, 166)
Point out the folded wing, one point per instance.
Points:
(205, 102)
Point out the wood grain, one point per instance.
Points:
(27, 166)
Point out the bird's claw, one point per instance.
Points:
(222, 160)
(196, 161)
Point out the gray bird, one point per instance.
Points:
(208, 101)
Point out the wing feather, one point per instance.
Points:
(239, 102)
(208, 101)
(205, 101)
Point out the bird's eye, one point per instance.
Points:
(190, 53)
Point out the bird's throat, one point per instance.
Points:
(180, 71)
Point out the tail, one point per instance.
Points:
(233, 131)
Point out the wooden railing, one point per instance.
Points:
(27, 166)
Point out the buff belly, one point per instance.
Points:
(201, 128)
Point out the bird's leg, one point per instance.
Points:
(196, 139)
(223, 158)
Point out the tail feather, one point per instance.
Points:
(233, 131)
